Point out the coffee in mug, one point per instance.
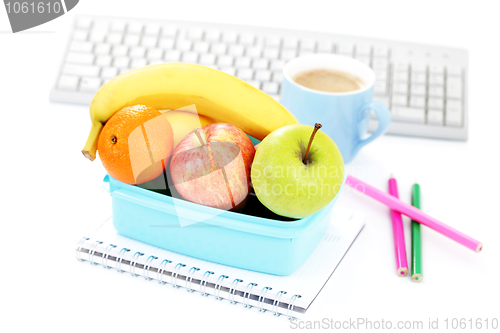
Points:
(329, 80)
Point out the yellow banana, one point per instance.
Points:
(217, 95)
(184, 122)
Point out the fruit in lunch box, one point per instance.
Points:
(169, 86)
(297, 171)
(135, 144)
(211, 166)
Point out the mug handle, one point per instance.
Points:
(384, 120)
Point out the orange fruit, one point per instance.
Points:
(135, 144)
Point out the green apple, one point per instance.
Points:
(292, 180)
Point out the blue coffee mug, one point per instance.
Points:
(344, 115)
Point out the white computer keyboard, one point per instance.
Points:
(424, 86)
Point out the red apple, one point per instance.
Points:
(211, 166)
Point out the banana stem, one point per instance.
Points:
(90, 149)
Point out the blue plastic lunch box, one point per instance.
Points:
(225, 237)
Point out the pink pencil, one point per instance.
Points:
(398, 233)
(415, 214)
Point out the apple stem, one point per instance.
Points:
(317, 126)
(199, 136)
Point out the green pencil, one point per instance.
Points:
(416, 242)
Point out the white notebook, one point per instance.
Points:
(289, 295)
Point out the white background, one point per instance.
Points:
(52, 195)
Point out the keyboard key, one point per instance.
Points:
(80, 58)
(227, 61)
(436, 69)
(212, 35)
(418, 68)
(190, 57)
(273, 41)
(103, 60)
(247, 39)
(290, 43)
(218, 48)
(263, 75)
(169, 30)
(453, 113)
(277, 65)
(363, 50)
(172, 55)
(400, 88)
(435, 103)
(90, 84)
(137, 52)
(288, 54)
(166, 43)
(254, 83)
(195, 34)
(418, 89)
(123, 70)
(154, 54)
(81, 70)
(152, 29)
(119, 50)
(155, 62)
(305, 52)
(325, 47)
(435, 117)
(418, 78)
(270, 88)
(207, 59)
(401, 77)
(84, 23)
(229, 70)
(201, 47)
(380, 64)
(184, 45)
(277, 77)
(243, 62)
(254, 51)
(97, 36)
(80, 35)
(401, 67)
(100, 25)
(453, 71)
(436, 91)
(118, 26)
(131, 40)
(109, 72)
(245, 73)
(307, 44)
(121, 62)
(417, 102)
(380, 88)
(272, 53)
(260, 63)
(236, 50)
(114, 38)
(149, 41)
(102, 49)
(138, 63)
(454, 87)
(67, 82)
(399, 100)
(436, 80)
(381, 75)
(229, 37)
(346, 49)
(134, 28)
(84, 47)
(406, 114)
(380, 52)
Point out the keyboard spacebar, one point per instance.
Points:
(414, 115)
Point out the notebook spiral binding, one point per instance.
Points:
(174, 275)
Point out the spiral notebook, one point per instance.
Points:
(289, 295)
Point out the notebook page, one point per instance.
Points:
(307, 281)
